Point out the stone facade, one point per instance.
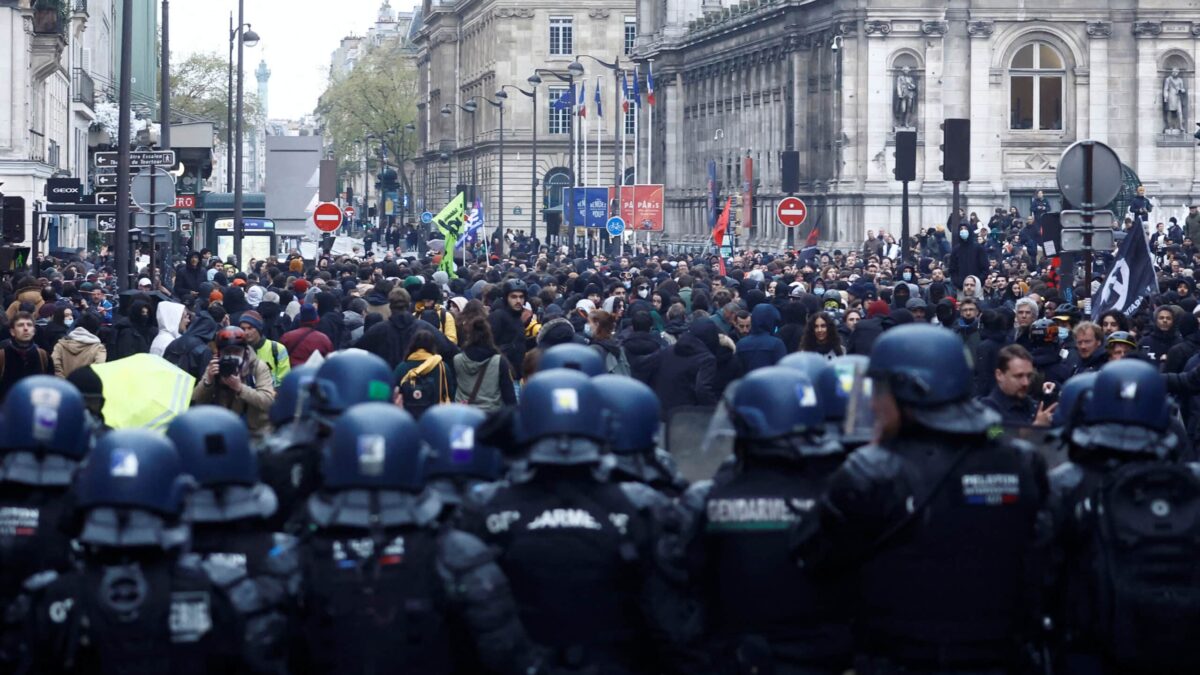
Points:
(762, 76)
(474, 48)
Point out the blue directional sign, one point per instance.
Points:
(427, 217)
(616, 226)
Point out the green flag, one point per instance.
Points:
(450, 223)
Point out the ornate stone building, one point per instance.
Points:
(834, 79)
(474, 48)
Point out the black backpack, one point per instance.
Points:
(1144, 525)
(424, 391)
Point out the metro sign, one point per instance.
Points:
(185, 201)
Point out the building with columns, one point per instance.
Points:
(472, 49)
(835, 79)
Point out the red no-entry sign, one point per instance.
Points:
(350, 213)
(327, 217)
(792, 212)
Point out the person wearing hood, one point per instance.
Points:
(1158, 342)
(761, 348)
(254, 296)
(967, 258)
(275, 321)
(234, 301)
(188, 276)
(172, 321)
(28, 291)
(81, 347)
(133, 331)
(994, 334)
(901, 294)
(330, 320)
(353, 318)
(641, 343)
(686, 374)
(1187, 347)
(191, 351)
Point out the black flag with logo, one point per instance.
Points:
(1132, 279)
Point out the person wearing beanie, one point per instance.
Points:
(269, 352)
(390, 339)
(300, 286)
(429, 308)
(305, 340)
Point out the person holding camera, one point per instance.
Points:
(236, 379)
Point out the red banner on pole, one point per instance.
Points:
(641, 206)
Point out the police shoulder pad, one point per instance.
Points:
(643, 496)
(39, 581)
(696, 495)
(221, 573)
(461, 551)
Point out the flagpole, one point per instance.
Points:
(650, 139)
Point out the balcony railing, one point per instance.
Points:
(37, 146)
(84, 88)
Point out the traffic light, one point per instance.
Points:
(956, 150)
(12, 219)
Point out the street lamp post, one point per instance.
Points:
(534, 81)
(246, 36)
(567, 208)
(445, 157)
(470, 108)
(501, 96)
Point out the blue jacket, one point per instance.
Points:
(761, 348)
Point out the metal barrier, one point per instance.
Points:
(700, 439)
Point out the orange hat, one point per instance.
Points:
(215, 296)
(239, 282)
(296, 265)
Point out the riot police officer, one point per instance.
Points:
(762, 614)
(290, 466)
(386, 584)
(228, 514)
(834, 382)
(135, 604)
(574, 357)
(289, 456)
(938, 521)
(46, 435)
(1126, 524)
(456, 461)
(591, 562)
(632, 411)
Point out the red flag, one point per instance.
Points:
(722, 224)
(719, 234)
(813, 237)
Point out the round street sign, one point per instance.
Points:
(616, 226)
(427, 217)
(792, 212)
(349, 212)
(327, 217)
(1106, 174)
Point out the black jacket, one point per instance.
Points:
(188, 280)
(509, 334)
(1014, 411)
(389, 339)
(642, 345)
(866, 333)
(191, 351)
(967, 259)
(1158, 344)
(685, 374)
(990, 344)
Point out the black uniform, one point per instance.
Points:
(389, 589)
(943, 532)
(289, 463)
(592, 567)
(257, 568)
(145, 613)
(760, 609)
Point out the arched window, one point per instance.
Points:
(1037, 78)
(556, 179)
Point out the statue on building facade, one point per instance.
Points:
(1174, 103)
(904, 108)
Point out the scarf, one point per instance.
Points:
(428, 363)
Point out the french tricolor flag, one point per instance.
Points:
(650, 83)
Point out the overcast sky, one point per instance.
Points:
(298, 37)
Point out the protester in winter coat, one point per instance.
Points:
(81, 347)
(1158, 342)
(56, 328)
(995, 333)
(172, 321)
(967, 258)
(133, 331)
(483, 377)
(330, 320)
(20, 356)
(28, 291)
(761, 348)
(821, 336)
(305, 340)
(192, 350)
(685, 374)
(353, 319)
(879, 318)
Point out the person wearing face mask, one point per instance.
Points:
(967, 257)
